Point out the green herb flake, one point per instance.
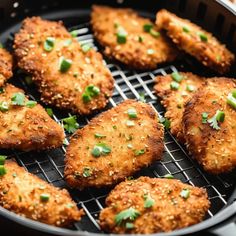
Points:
(70, 124)
(91, 91)
(190, 88)
(14, 175)
(129, 225)
(98, 135)
(204, 117)
(44, 197)
(176, 76)
(2, 159)
(2, 90)
(203, 37)
(174, 85)
(218, 117)
(142, 97)
(185, 29)
(100, 149)
(18, 99)
(74, 33)
(49, 111)
(185, 193)
(49, 44)
(165, 122)
(67, 42)
(132, 113)
(130, 123)
(154, 33)
(140, 39)
(139, 152)
(149, 201)
(64, 64)
(129, 214)
(3, 170)
(87, 172)
(147, 27)
(85, 47)
(121, 35)
(4, 106)
(231, 99)
(31, 103)
(168, 176)
(114, 127)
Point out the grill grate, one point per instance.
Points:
(49, 165)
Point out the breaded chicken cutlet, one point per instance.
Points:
(175, 90)
(114, 145)
(131, 39)
(209, 125)
(6, 64)
(25, 125)
(69, 75)
(151, 205)
(29, 196)
(197, 42)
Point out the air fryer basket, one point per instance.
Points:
(212, 15)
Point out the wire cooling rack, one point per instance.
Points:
(49, 165)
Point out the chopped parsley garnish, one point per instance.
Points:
(74, 33)
(49, 44)
(168, 176)
(70, 124)
(98, 135)
(147, 27)
(18, 99)
(142, 97)
(2, 90)
(139, 152)
(204, 117)
(165, 122)
(190, 88)
(174, 85)
(4, 106)
(140, 39)
(49, 111)
(3, 170)
(218, 117)
(186, 29)
(150, 51)
(2, 159)
(64, 64)
(185, 193)
(129, 225)
(101, 149)
(31, 104)
(114, 127)
(203, 37)
(177, 77)
(85, 47)
(149, 201)
(231, 99)
(121, 35)
(132, 113)
(90, 92)
(87, 172)
(129, 214)
(130, 123)
(44, 197)
(67, 42)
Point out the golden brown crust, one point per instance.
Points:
(212, 53)
(27, 128)
(213, 149)
(63, 90)
(121, 162)
(6, 63)
(133, 53)
(174, 100)
(20, 193)
(169, 212)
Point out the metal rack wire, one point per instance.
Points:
(49, 165)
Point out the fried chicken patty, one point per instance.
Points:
(29, 196)
(6, 64)
(121, 32)
(69, 75)
(25, 125)
(196, 41)
(211, 140)
(174, 99)
(151, 205)
(114, 145)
